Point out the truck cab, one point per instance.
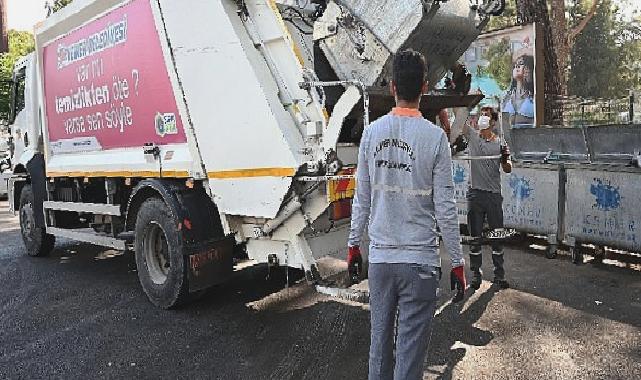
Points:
(24, 118)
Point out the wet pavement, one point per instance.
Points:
(81, 313)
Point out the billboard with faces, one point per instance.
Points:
(504, 68)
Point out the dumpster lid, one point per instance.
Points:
(618, 144)
(549, 145)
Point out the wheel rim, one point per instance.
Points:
(156, 252)
(26, 221)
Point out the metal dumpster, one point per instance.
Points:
(549, 145)
(360, 37)
(534, 193)
(531, 199)
(613, 144)
(604, 206)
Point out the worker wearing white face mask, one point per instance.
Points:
(484, 196)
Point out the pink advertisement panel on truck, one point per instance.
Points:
(106, 85)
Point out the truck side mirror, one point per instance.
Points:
(17, 94)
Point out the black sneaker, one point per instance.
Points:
(501, 283)
(476, 281)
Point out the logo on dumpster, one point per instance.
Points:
(459, 174)
(607, 196)
(520, 186)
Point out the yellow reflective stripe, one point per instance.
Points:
(225, 174)
(124, 174)
(175, 173)
(249, 173)
(281, 22)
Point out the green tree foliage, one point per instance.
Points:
(628, 33)
(629, 40)
(20, 44)
(505, 20)
(59, 4)
(499, 67)
(606, 55)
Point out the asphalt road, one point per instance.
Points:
(81, 313)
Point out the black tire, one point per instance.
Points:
(162, 268)
(36, 240)
(551, 251)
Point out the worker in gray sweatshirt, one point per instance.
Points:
(484, 196)
(404, 192)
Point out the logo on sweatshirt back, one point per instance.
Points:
(395, 143)
(394, 165)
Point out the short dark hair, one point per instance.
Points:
(493, 114)
(409, 74)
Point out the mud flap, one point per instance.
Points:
(210, 263)
(36, 169)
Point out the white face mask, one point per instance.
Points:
(484, 122)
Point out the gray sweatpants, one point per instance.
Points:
(411, 290)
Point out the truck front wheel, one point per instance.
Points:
(36, 240)
(162, 268)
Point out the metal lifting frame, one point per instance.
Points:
(358, 84)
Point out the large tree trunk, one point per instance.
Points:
(559, 28)
(564, 36)
(4, 38)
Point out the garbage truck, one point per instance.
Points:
(195, 132)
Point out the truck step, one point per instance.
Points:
(93, 208)
(128, 236)
(88, 236)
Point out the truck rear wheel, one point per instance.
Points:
(36, 240)
(162, 268)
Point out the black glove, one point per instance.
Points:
(505, 154)
(460, 144)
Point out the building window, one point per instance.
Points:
(470, 54)
(483, 52)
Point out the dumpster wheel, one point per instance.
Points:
(599, 253)
(577, 255)
(551, 251)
